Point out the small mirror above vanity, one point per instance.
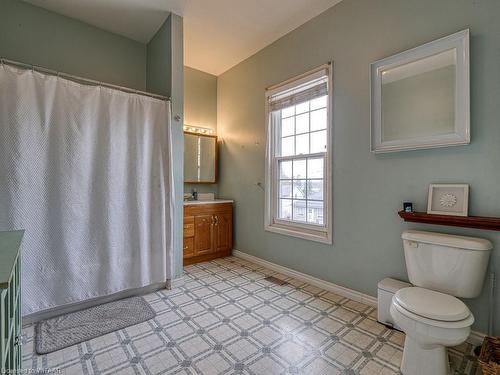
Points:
(200, 158)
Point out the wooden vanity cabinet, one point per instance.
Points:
(208, 232)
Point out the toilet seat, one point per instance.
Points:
(431, 304)
(432, 308)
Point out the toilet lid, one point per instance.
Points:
(431, 304)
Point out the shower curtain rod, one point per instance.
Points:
(78, 79)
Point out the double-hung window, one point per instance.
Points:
(298, 161)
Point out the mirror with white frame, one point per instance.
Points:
(420, 97)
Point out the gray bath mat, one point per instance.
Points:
(70, 329)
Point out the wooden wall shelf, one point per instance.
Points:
(477, 222)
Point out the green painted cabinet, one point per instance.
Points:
(10, 301)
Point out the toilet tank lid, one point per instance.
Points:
(461, 242)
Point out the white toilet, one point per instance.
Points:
(441, 267)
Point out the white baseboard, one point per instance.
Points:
(475, 338)
(326, 285)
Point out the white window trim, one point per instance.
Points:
(305, 231)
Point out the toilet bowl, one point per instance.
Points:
(431, 321)
(441, 267)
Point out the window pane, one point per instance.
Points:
(287, 146)
(287, 126)
(302, 144)
(318, 119)
(301, 108)
(285, 211)
(302, 123)
(285, 169)
(299, 189)
(318, 141)
(315, 189)
(299, 168)
(299, 210)
(287, 112)
(318, 103)
(315, 168)
(286, 188)
(315, 212)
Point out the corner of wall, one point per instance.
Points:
(165, 76)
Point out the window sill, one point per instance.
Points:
(311, 235)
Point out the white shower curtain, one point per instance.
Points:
(85, 170)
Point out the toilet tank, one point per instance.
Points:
(445, 263)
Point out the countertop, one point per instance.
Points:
(189, 203)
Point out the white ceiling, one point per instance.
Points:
(218, 34)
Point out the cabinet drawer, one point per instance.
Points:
(189, 226)
(188, 249)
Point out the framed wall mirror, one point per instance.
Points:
(420, 97)
(200, 158)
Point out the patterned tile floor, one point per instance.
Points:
(227, 319)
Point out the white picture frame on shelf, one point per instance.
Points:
(420, 98)
(448, 199)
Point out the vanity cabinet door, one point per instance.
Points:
(223, 231)
(203, 234)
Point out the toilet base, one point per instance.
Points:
(420, 361)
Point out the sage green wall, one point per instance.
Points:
(165, 76)
(200, 98)
(36, 36)
(200, 109)
(159, 60)
(368, 189)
